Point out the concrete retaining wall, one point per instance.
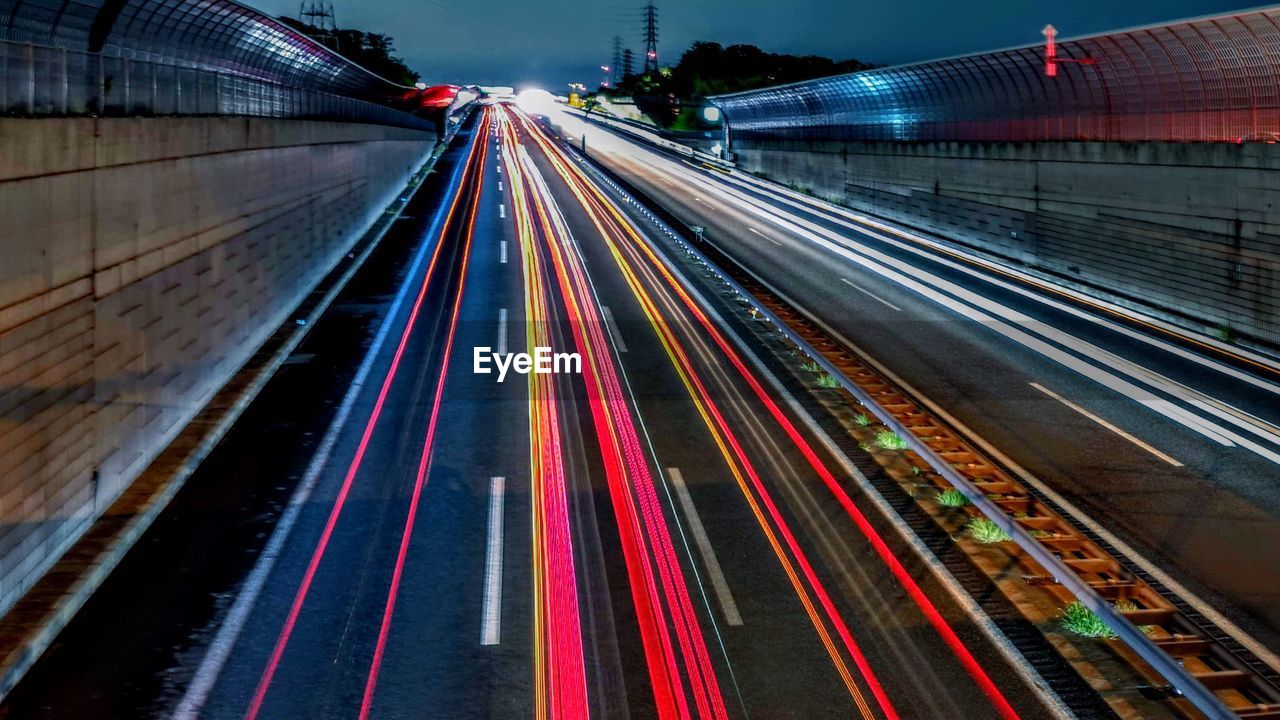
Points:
(142, 261)
(1190, 232)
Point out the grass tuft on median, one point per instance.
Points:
(890, 440)
(952, 498)
(985, 531)
(1080, 620)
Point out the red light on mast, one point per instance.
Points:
(1051, 59)
(1050, 51)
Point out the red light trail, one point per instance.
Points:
(322, 544)
(921, 600)
(646, 539)
(428, 445)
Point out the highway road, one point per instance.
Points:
(650, 533)
(1165, 441)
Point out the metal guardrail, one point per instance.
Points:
(654, 138)
(40, 80)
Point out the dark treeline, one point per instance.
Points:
(374, 52)
(709, 68)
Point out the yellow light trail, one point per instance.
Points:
(711, 416)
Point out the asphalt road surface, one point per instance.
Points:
(648, 533)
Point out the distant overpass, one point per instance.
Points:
(181, 57)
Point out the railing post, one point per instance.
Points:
(30, 100)
(100, 91)
(127, 95)
(66, 84)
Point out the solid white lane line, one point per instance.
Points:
(502, 331)
(835, 213)
(491, 624)
(872, 259)
(502, 252)
(766, 237)
(870, 294)
(718, 582)
(609, 322)
(1212, 406)
(502, 210)
(1077, 515)
(1106, 424)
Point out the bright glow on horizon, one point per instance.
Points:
(536, 101)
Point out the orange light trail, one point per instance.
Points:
(738, 463)
(560, 675)
(645, 537)
(926, 606)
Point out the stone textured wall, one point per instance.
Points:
(142, 261)
(1188, 231)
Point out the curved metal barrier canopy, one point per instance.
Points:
(1209, 79)
(161, 57)
(207, 34)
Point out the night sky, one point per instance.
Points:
(553, 42)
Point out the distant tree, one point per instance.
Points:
(374, 52)
(708, 68)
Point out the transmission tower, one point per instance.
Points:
(616, 67)
(628, 63)
(320, 16)
(650, 38)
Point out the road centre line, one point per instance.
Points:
(718, 581)
(1107, 425)
(491, 623)
(502, 331)
(766, 237)
(870, 294)
(612, 325)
